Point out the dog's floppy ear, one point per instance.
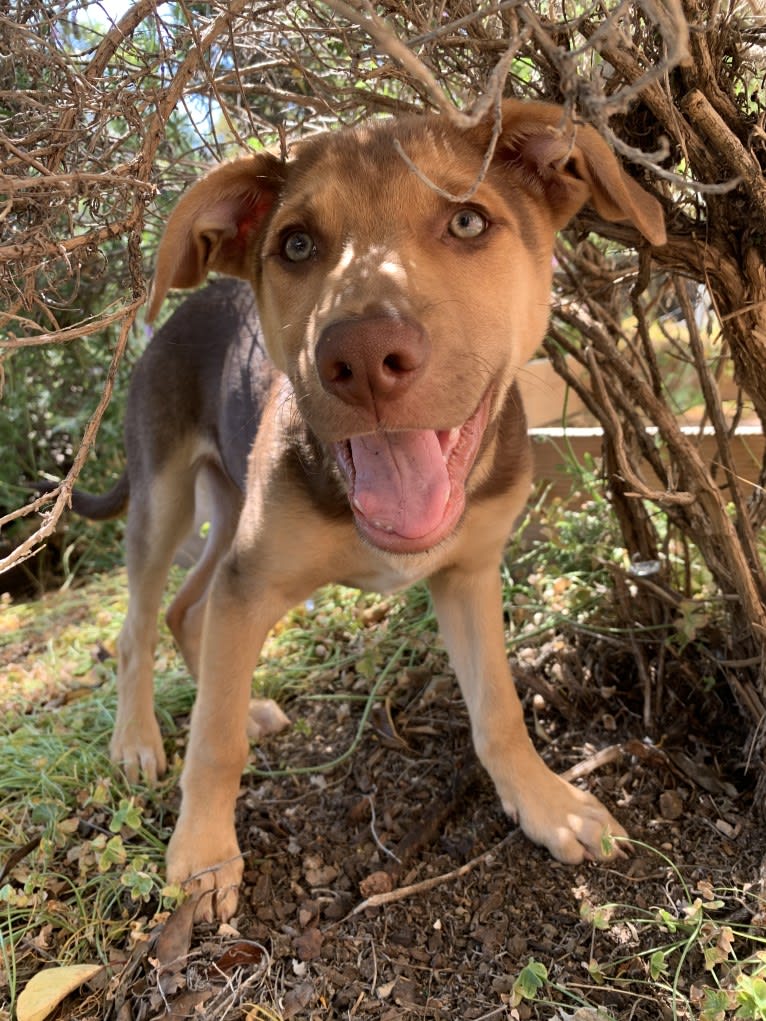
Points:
(573, 165)
(214, 223)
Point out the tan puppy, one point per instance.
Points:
(397, 307)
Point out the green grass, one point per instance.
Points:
(81, 852)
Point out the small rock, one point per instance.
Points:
(376, 882)
(726, 828)
(671, 805)
(296, 999)
(316, 872)
(308, 945)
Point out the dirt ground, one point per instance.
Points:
(472, 902)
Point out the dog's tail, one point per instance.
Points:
(97, 506)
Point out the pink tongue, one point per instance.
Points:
(401, 482)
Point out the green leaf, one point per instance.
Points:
(140, 883)
(598, 915)
(596, 973)
(716, 1004)
(113, 854)
(751, 995)
(667, 920)
(608, 844)
(530, 981)
(127, 816)
(657, 964)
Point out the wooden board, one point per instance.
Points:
(554, 447)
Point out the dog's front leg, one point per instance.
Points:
(571, 823)
(203, 853)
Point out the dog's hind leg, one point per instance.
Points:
(186, 613)
(223, 501)
(160, 517)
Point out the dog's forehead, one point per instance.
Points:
(401, 158)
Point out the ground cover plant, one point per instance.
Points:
(382, 878)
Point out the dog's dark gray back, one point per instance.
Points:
(205, 372)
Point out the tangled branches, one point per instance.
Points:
(103, 122)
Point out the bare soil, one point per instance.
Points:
(412, 814)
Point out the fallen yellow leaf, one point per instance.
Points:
(45, 990)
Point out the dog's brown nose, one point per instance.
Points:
(367, 362)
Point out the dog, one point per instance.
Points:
(363, 426)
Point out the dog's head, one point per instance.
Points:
(399, 309)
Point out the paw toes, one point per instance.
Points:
(213, 902)
(265, 717)
(596, 833)
(140, 752)
(573, 825)
(129, 768)
(212, 881)
(140, 762)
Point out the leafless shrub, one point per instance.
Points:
(101, 127)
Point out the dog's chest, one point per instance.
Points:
(376, 571)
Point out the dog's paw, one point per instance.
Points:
(265, 717)
(208, 868)
(137, 748)
(571, 823)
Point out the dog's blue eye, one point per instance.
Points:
(298, 246)
(467, 223)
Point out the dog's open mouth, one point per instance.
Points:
(407, 488)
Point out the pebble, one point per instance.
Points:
(671, 805)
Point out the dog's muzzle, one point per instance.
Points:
(407, 488)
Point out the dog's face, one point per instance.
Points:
(356, 238)
(369, 286)
(370, 271)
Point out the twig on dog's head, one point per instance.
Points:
(497, 127)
